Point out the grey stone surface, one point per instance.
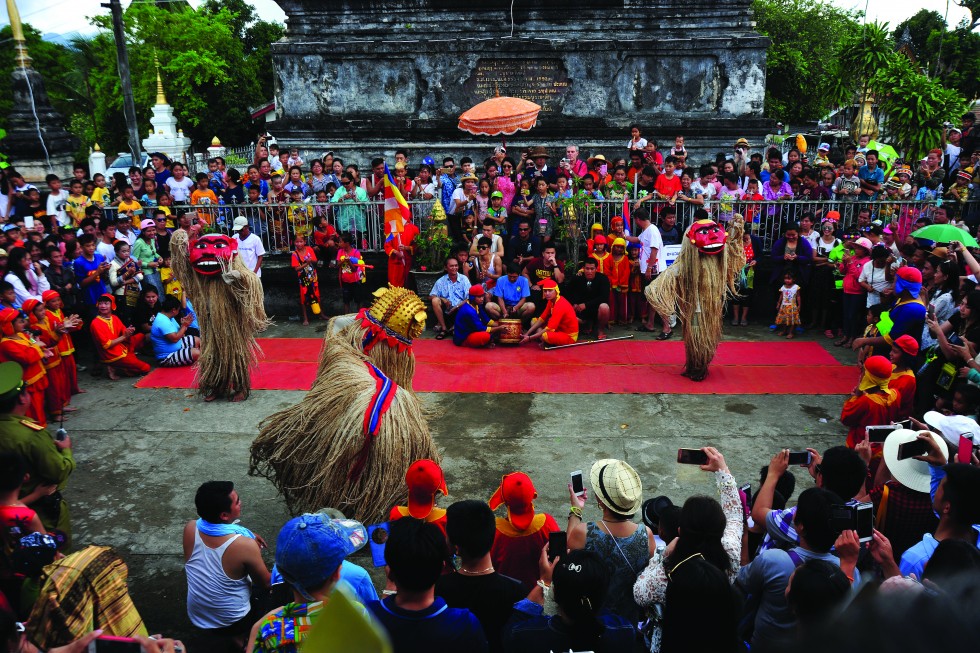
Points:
(142, 453)
(381, 75)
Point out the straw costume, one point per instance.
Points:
(230, 310)
(697, 285)
(348, 444)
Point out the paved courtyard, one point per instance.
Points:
(142, 453)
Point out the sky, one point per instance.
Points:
(70, 16)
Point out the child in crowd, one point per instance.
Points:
(216, 178)
(149, 197)
(870, 331)
(56, 200)
(204, 198)
(76, 203)
(635, 300)
(129, 204)
(349, 264)
(620, 269)
(326, 240)
(496, 213)
(731, 192)
(179, 186)
(299, 213)
(304, 262)
(788, 306)
(100, 194)
(847, 187)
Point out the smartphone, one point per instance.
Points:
(879, 433)
(578, 483)
(801, 458)
(557, 544)
(864, 521)
(692, 457)
(965, 451)
(842, 518)
(110, 644)
(912, 449)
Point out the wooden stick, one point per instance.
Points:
(588, 342)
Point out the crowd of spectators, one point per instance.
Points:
(748, 568)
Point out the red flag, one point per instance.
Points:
(626, 212)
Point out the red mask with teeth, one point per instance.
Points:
(708, 236)
(212, 253)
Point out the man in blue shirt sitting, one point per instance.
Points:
(171, 344)
(512, 293)
(415, 618)
(871, 176)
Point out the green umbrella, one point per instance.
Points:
(946, 233)
(886, 153)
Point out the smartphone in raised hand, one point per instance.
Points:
(557, 544)
(578, 483)
(692, 457)
(801, 458)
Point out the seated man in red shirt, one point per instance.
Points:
(558, 325)
(116, 343)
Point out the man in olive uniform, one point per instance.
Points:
(49, 462)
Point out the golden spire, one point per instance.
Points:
(97, 148)
(215, 142)
(20, 43)
(161, 98)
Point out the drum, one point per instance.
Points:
(511, 335)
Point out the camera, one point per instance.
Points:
(855, 517)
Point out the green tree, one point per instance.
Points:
(214, 62)
(949, 54)
(806, 39)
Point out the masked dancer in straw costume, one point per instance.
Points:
(229, 301)
(348, 444)
(697, 285)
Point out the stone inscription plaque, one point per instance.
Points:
(543, 81)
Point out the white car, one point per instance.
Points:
(124, 162)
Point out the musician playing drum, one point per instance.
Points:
(511, 297)
(474, 328)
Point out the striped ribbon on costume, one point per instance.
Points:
(384, 394)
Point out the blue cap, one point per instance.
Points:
(311, 547)
(429, 161)
(10, 227)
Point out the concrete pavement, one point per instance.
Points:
(142, 453)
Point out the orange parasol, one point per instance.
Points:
(500, 116)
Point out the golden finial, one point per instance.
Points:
(161, 98)
(97, 148)
(215, 142)
(17, 30)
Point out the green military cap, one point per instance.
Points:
(11, 379)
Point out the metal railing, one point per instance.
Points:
(277, 224)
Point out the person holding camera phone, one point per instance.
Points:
(625, 546)
(709, 530)
(765, 579)
(840, 470)
(954, 488)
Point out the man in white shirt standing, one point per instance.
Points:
(250, 246)
(651, 263)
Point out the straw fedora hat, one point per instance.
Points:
(617, 485)
(599, 158)
(538, 152)
(913, 474)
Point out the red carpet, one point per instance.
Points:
(621, 367)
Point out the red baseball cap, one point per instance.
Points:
(424, 478)
(477, 290)
(517, 492)
(907, 344)
(548, 284)
(600, 239)
(48, 295)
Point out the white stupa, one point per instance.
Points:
(165, 137)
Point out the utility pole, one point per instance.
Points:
(122, 62)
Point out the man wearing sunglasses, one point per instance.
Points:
(448, 182)
(524, 246)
